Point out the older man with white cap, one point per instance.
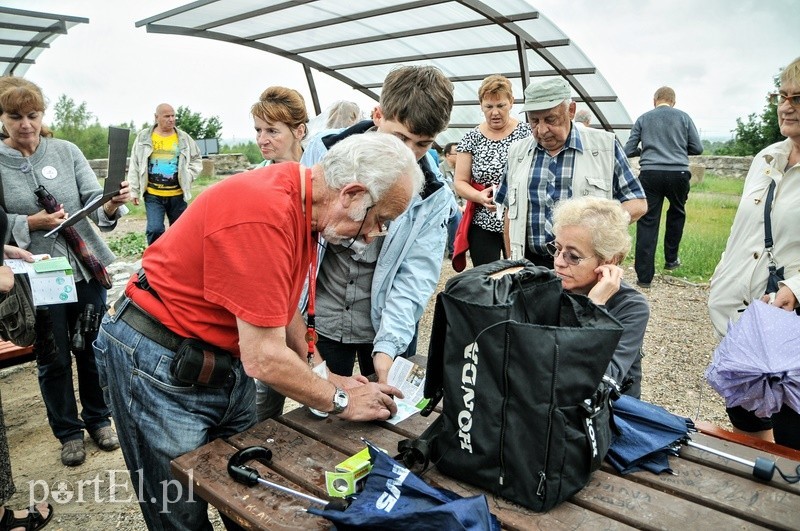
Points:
(558, 162)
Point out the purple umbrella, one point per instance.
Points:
(757, 364)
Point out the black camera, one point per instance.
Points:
(88, 322)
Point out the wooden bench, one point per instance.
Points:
(705, 492)
(747, 440)
(11, 354)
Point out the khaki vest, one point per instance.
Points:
(593, 175)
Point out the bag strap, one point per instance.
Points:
(415, 452)
(434, 372)
(767, 217)
(772, 267)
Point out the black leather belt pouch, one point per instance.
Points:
(198, 363)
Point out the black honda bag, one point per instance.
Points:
(520, 364)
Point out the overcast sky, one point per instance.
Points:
(718, 55)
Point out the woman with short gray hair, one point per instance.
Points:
(591, 240)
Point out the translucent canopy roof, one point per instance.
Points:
(358, 43)
(25, 34)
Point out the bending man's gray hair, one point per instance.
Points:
(376, 160)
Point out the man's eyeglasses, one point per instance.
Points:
(778, 99)
(569, 257)
(381, 230)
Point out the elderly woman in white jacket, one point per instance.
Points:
(742, 273)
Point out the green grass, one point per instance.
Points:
(710, 210)
(132, 245)
(200, 183)
(719, 185)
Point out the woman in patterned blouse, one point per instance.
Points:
(480, 164)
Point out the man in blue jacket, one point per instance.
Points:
(369, 298)
(667, 137)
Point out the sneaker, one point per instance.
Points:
(643, 284)
(73, 453)
(669, 266)
(105, 438)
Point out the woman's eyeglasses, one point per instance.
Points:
(778, 99)
(569, 257)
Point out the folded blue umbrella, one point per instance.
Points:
(646, 435)
(395, 498)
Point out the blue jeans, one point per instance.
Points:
(156, 207)
(55, 369)
(159, 419)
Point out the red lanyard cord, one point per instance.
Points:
(311, 332)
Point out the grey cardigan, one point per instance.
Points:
(62, 169)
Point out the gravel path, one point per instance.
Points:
(678, 347)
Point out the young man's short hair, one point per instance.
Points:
(419, 97)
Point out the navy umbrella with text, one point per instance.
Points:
(395, 498)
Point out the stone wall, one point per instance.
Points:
(697, 170)
(724, 166)
(732, 167)
(221, 164)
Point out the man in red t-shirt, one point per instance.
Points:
(230, 273)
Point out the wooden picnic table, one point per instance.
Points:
(705, 492)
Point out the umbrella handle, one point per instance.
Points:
(763, 468)
(44, 198)
(242, 473)
(247, 475)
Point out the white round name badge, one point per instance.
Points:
(49, 172)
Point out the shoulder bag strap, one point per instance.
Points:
(767, 217)
(772, 267)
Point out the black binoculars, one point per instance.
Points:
(88, 322)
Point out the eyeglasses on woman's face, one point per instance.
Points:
(778, 99)
(569, 256)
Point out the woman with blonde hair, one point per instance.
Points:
(480, 165)
(591, 240)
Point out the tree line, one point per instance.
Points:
(752, 134)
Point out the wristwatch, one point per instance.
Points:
(340, 401)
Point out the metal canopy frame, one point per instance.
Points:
(358, 42)
(26, 34)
